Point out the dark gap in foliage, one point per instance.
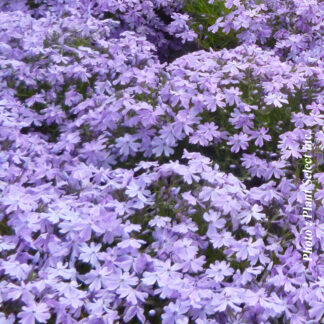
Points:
(254, 182)
(4, 228)
(179, 50)
(82, 267)
(51, 130)
(32, 4)
(162, 15)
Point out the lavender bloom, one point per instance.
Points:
(238, 142)
(34, 312)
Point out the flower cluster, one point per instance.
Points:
(292, 28)
(160, 21)
(133, 190)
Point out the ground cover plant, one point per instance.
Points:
(153, 165)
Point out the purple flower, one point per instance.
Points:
(90, 253)
(232, 95)
(160, 147)
(136, 190)
(275, 99)
(97, 278)
(316, 310)
(127, 145)
(238, 142)
(132, 295)
(205, 134)
(34, 312)
(219, 270)
(174, 313)
(260, 136)
(228, 298)
(254, 213)
(5, 320)
(119, 279)
(219, 23)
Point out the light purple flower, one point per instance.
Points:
(238, 142)
(34, 312)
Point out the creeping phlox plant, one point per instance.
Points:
(294, 28)
(135, 191)
(160, 21)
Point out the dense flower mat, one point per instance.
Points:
(136, 188)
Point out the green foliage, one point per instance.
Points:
(77, 42)
(205, 14)
(213, 255)
(4, 228)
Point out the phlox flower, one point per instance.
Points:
(241, 120)
(132, 295)
(160, 221)
(205, 134)
(136, 190)
(70, 291)
(194, 265)
(61, 270)
(131, 311)
(316, 310)
(213, 102)
(227, 298)
(18, 198)
(215, 219)
(206, 193)
(219, 270)
(160, 147)
(189, 175)
(282, 280)
(292, 151)
(127, 145)
(183, 124)
(260, 136)
(21, 291)
(166, 134)
(245, 249)
(167, 271)
(219, 239)
(219, 22)
(190, 198)
(185, 249)
(120, 279)
(232, 96)
(97, 278)
(90, 253)
(238, 142)
(174, 313)
(254, 213)
(275, 304)
(250, 273)
(7, 320)
(275, 99)
(34, 312)
(15, 269)
(131, 243)
(150, 278)
(276, 169)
